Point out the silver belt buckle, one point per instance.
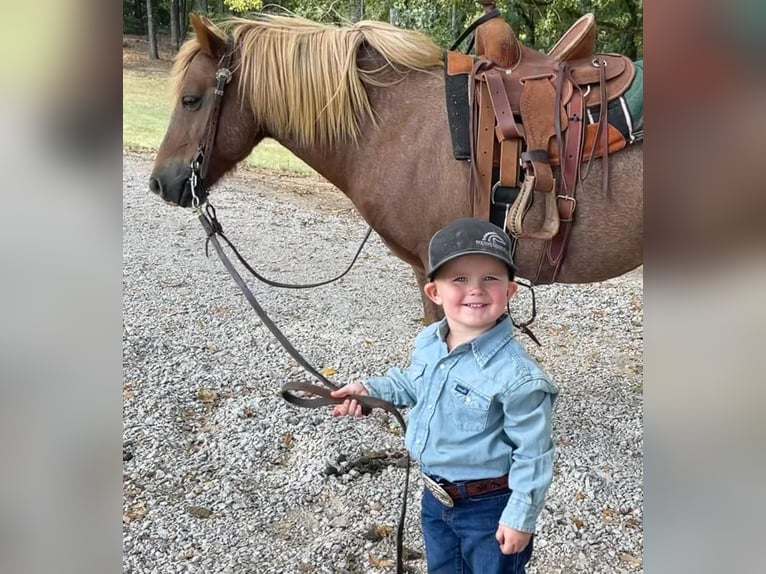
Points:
(439, 493)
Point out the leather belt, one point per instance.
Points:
(448, 492)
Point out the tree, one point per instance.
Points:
(242, 6)
(537, 23)
(175, 24)
(152, 30)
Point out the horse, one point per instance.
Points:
(364, 106)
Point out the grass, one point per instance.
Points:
(146, 113)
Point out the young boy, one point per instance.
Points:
(480, 425)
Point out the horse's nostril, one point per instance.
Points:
(155, 185)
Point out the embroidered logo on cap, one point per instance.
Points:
(493, 240)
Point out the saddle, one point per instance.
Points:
(529, 113)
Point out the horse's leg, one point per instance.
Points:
(431, 311)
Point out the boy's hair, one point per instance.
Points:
(468, 236)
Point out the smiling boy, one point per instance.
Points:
(480, 423)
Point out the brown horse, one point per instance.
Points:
(364, 105)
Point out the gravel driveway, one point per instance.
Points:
(222, 476)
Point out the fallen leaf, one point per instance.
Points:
(128, 394)
(607, 512)
(328, 371)
(249, 412)
(630, 559)
(199, 511)
(380, 562)
(632, 523)
(287, 440)
(578, 523)
(206, 395)
(384, 530)
(579, 496)
(135, 512)
(410, 554)
(371, 534)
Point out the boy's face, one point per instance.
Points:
(473, 291)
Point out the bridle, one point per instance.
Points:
(213, 229)
(201, 159)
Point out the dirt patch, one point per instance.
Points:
(312, 189)
(135, 55)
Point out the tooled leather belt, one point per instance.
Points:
(449, 492)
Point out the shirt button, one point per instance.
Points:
(441, 366)
(468, 400)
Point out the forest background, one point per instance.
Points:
(538, 23)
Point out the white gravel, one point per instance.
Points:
(222, 476)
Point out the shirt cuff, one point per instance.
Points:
(378, 387)
(520, 513)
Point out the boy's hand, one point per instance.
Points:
(511, 540)
(349, 407)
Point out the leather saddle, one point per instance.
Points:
(529, 113)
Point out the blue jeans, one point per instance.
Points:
(461, 539)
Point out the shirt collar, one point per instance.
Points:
(486, 345)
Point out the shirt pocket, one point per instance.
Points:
(470, 406)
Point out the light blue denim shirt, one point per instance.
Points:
(481, 410)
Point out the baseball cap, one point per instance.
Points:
(466, 236)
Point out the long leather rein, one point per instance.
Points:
(309, 395)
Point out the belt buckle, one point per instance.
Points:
(438, 491)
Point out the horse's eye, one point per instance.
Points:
(191, 102)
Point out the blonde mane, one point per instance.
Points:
(301, 77)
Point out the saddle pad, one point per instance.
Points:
(626, 113)
(634, 99)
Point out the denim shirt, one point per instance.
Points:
(479, 411)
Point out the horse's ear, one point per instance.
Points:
(210, 42)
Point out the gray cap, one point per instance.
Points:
(467, 236)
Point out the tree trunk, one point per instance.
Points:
(151, 31)
(358, 11)
(200, 6)
(175, 25)
(184, 19)
(138, 12)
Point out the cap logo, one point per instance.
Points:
(493, 240)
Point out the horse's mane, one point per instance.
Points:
(301, 77)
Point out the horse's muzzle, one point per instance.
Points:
(175, 187)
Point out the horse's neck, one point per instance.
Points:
(409, 130)
(401, 174)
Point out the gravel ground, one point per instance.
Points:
(222, 476)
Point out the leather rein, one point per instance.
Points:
(310, 396)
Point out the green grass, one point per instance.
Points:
(146, 113)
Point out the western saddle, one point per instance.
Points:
(528, 114)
